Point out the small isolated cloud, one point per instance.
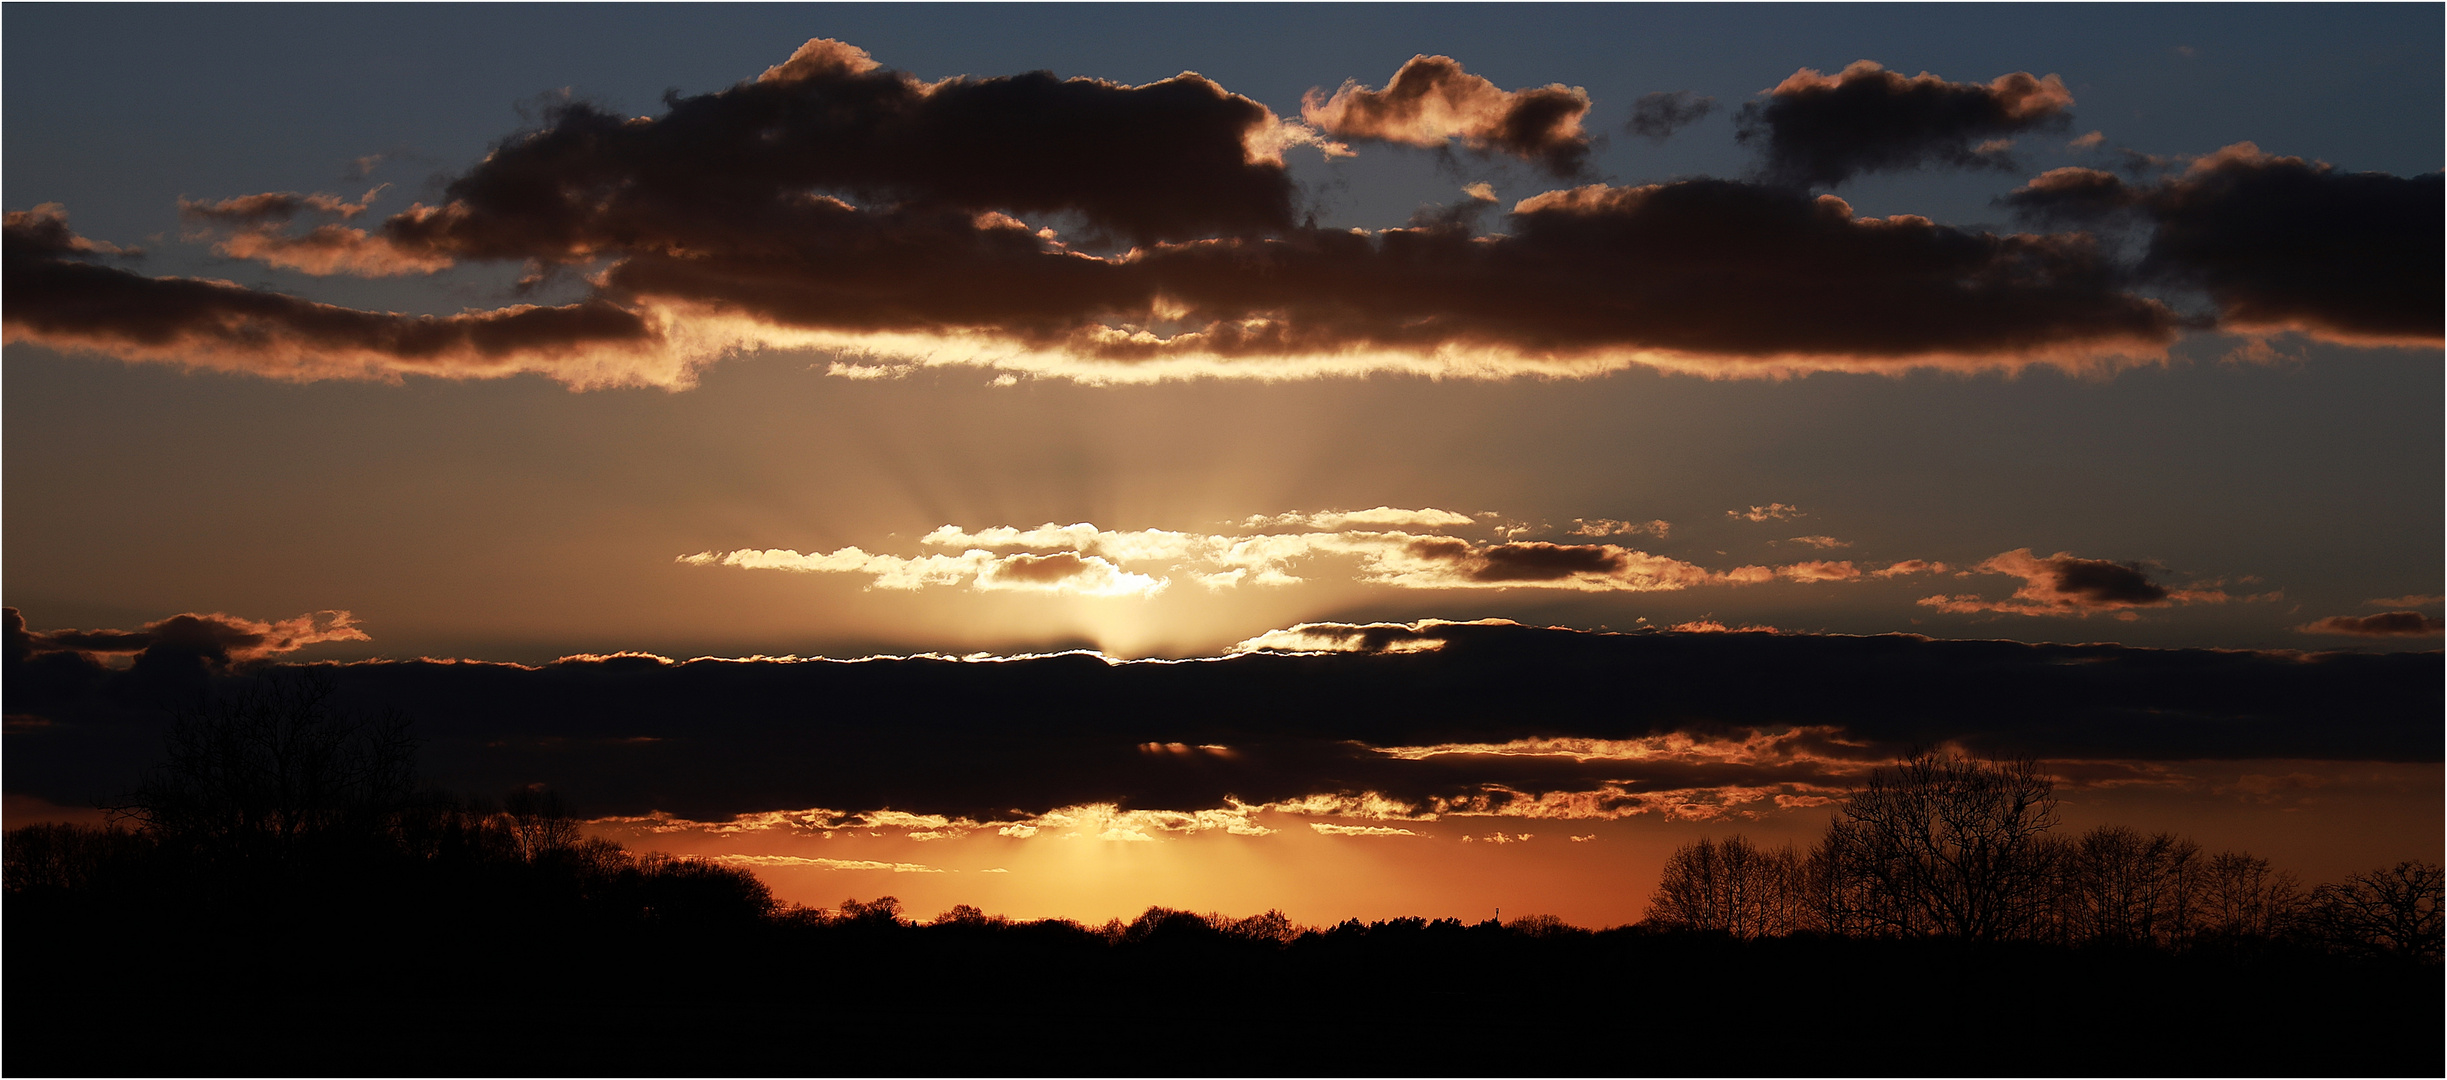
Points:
(2062, 584)
(1385, 517)
(1769, 512)
(804, 862)
(2384, 624)
(1821, 130)
(1658, 116)
(1421, 636)
(1329, 829)
(1432, 101)
(1611, 527)
(2092, 141)
(1712, 626)
(1820, 541)
(1819, 570)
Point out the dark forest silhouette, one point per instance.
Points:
(282, 895)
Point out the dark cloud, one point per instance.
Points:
(1535, 561)
(1044, 569)
(216, 638)
(2277, 242)
(2063, 584)
(1822, 130)
(1178, 159)
(2384, 624)
(56, 297)
(1689, 267)
(1658, 116)
(1431, 101)
(835, 203)
(2101, 583)
(709, 738)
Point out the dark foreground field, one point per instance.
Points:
(417, 985)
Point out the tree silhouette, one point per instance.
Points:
(2241, 895)
(1730, 885)
(1939, 845)
(272, 771)
(2120, 885)
(2394, 911)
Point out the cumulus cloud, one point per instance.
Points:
(1821, 130)
(833, 203)
(2062, 584)
(2384, 624)
(1658, 116)
(1432, 101)
(2277, 243)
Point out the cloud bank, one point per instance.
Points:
(1082, 229)
(1396, 722)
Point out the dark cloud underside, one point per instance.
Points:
(987, 739)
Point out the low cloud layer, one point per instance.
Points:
(1082, 559)
(2386, 624)
(215, 639)
(1820, 130)
(1087, 230)
(1491, 718)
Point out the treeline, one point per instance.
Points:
(283, 895)
(270, 799)
(1948, 846)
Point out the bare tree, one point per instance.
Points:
(2242, 896)
(272, 770)
(2393, 911)
(1731, 885)
(1940, 844)
(539, 822)
(2120, 885)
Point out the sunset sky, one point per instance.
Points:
(1210, 334)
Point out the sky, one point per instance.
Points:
(1196, 340)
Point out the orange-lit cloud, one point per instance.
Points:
(1082, 559)
(1611, 527)
(1821, 130)
(256, 227)
(1769, 512)
(1060, 572)
(1327, 828)
(2384, 624)
(2061, 584)
(1432, 101)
